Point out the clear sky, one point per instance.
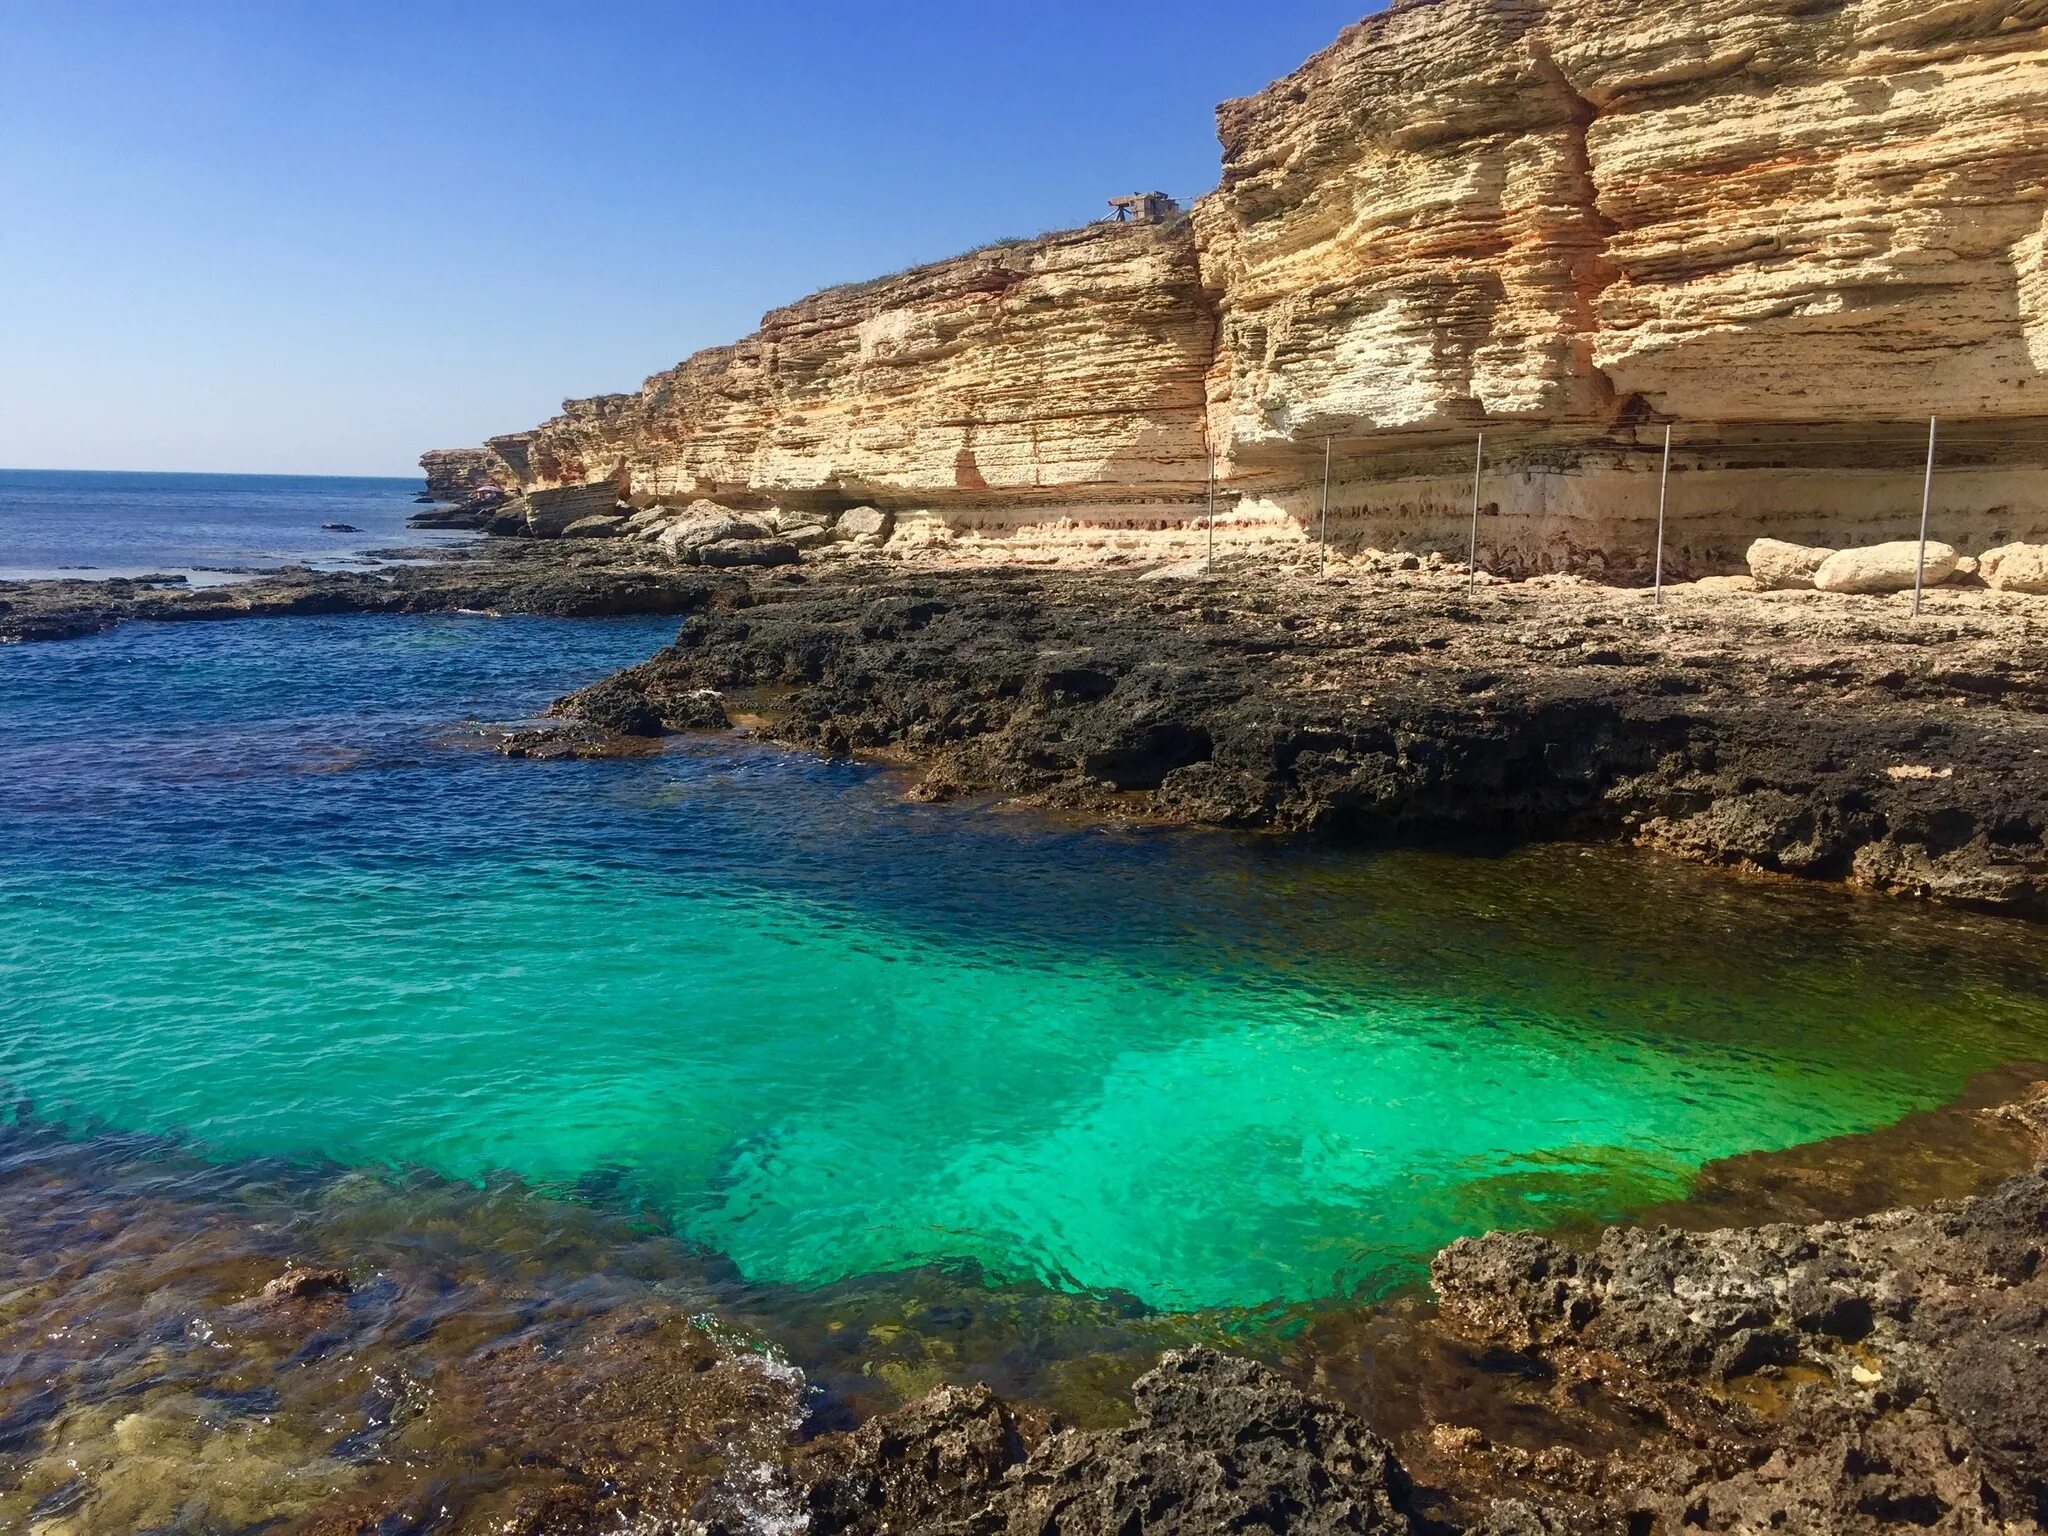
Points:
(279, 236)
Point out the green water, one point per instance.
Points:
(254, 898)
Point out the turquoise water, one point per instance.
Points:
(261, 890)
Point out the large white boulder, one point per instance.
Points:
(1776, 566)
(1884, 567)
(2015, 567)
(704, 523)
(866, 526)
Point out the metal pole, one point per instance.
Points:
(1926, 497)
(1326, 510)
(1663, 496)
(1211, 567)
(1472, 559)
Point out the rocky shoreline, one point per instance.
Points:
(495, 576)
(1860, 1375)
(1796, 733)
(333, 1354)
(1838, 1372)
(1793, 732)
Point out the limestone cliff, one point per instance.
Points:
(456, 474)
(1791, 228)
(1795, 228)
(1059, 373)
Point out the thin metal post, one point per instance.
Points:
(1472, 558)
(1211, 567)
(1663, 496)
(1926, 498)
(1325, 570)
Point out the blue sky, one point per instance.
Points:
(321, 238)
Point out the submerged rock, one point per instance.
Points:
(307, 1284)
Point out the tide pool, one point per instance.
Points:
(261, 891)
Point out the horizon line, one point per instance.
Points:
(209, 474)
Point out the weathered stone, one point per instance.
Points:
(2015, 568)
(1216, 1444)
(649, 521)
(806, 535)
(864, 523)
(703, 523)
(728, 553)
(550, 513)
(307, 1284)
(456, 474)
(1890, 567)
(602, 526)
(1777, 566)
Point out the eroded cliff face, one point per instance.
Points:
(1060, 373)
(1793, 229)
(456, 474)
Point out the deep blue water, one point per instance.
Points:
(94, 523)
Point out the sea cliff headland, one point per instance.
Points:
(1792, 233)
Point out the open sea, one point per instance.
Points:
(267, 899)
(207, 528)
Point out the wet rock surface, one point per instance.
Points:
(1879, 1373)
(577, 579)
(1792, 732)
(1215, 1444)
(163, 1368)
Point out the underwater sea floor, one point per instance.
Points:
(289, 960)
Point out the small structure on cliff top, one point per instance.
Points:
(1144, 208)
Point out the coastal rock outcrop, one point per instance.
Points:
(1216, 1443)
(456, 474)
(1065, 371)
(1924, 1331)
(1793, 232)
(1772, 731)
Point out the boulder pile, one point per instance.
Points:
(1776, 566)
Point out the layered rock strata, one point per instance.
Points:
(454, 475)
(1059, 373)
(1794, 232)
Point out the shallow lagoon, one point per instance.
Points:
(262, 892)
